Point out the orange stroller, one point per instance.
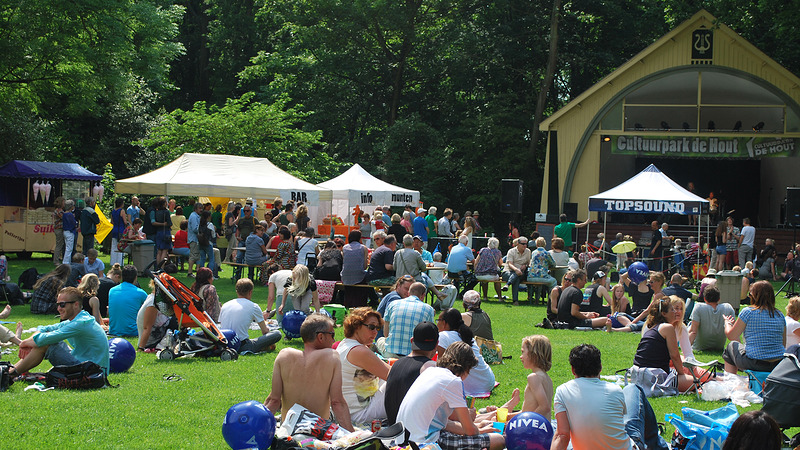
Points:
(174, 299)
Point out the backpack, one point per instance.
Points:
(11, 293)
(28, 278)
(147, 225)
(85, 375)
(204, 236)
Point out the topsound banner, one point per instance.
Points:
(704, 147)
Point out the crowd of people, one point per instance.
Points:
(384, 368)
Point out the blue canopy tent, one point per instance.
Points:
(649, 191)
(16, 193)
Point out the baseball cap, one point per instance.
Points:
(426, 336)
(418, 237)
(597, 275)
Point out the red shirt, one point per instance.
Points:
(181, 239)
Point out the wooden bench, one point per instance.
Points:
(237, 270)
(541, 287)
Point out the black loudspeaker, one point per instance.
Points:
(571, 210)
(511, 196)
(792, 206)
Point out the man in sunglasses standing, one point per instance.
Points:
(78, 327)
(402, 316)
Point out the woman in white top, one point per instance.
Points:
(792, 324)
(560, 257)
(307, 246)
(363, 373)
(469, 230)
(453, 329)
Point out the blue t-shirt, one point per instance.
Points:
(458, 258)
(133, 213)
(419, 228)
(194, 225)
(124, 302)
(763, 335)
(84, 334)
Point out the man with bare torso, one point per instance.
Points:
(312, 377)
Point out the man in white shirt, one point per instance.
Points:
(239, 313)
(518, 259)
(593, 413)
(443, 228)
(747, 237)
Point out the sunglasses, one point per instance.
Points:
(332, 333)
(64, 304)
(370, 326)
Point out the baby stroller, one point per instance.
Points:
(782, 393)
(174, 299)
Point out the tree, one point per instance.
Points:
(241, 127)
(65, 60)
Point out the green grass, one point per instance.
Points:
(146, 411)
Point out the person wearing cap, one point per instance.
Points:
(474, 317)
(420, 226)
(597, 293)
(475, 216)
(408, 261)
(406, 369)
(709, 280)
(418, 247)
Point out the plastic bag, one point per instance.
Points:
(702, 430)
(299, 420)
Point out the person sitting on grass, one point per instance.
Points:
(569, 305)
(407, 369)
(319, 390)
(434, 408)
(707, 330)
(476, 319)
(76, 270)
(93, 265)
(658, 347)
(46, 289)
(619, 320)
(78, 327)
(13, 337)
(536, 356)
(239, 313)
(593, 413)
(124, 302)
(88, 286)
(452, 329)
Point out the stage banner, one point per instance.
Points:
(704, 146)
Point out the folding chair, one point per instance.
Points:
(711, 373)
(757, 380)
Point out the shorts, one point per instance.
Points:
(194, 251)
(732, 257)
(721, 250)
(614, 322)
(60, 355)
(452, 441)
(735, 354)
(494, 277)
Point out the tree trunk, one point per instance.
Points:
(547, 82)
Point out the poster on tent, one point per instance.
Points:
(368, 201)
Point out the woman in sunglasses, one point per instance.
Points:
(363, 373)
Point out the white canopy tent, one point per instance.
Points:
(207, 175)
(648, 192)
(358, 187)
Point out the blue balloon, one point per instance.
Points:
(292, 322)
(638, 272)
(121, 355)
(249, 425)
(528, 431)
(233, 340)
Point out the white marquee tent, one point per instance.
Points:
(358, 187)
(236, 177)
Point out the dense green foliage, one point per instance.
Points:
(437, 95)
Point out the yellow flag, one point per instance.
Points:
(104, 227)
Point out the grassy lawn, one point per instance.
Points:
(148, 411)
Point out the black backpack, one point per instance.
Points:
(204, 236)
(11, 293)
(147, 225)
(28, 278)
